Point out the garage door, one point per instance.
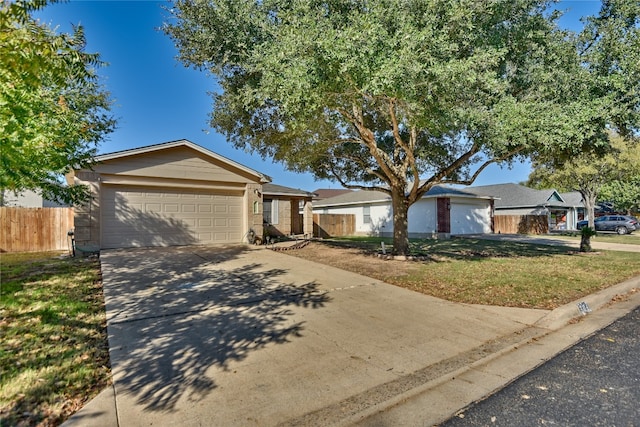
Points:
(470, 218)
(146, 216)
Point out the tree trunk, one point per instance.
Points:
(400, 222)
(589, 198)
(585, 242)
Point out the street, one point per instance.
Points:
(594, 383)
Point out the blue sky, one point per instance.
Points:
(157, 99)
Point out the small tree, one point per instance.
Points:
(53, 111)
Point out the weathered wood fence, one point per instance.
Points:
(333, 225)
(34, 229)
(521, 224)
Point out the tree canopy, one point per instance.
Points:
(53, 110)
(609, 52)
(591, 173)
(391, 95)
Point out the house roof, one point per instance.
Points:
(366, 196)
(518, 196)
(280, 190)
(181, 143)
(325, 193)
(573, 198)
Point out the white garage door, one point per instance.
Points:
(470, 218)
(147, 216)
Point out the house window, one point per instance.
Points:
(270, 211)
(256, 207)
(366, 214)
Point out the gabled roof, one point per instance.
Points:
(573, 198)
(280, 190)
(325, 193)
(518, 196)
(181, 143)
(365, 196)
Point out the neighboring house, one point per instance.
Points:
(327, 193)
(563, 210)
(442, 210)
(179, 193)
(27, 199)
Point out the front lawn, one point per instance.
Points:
(476, 271)
(604, 237)
(53, 354)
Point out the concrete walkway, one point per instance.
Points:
(550, 239)
(239, 336)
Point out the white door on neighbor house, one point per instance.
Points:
(470, 218)
(150, 216)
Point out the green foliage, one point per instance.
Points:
(624, 194)
(610, 176)
(392, 95)
(53, 111)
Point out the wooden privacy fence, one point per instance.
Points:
(333, 225)
(34, 229)
(521, 224)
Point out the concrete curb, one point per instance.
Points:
(101, 411)
(444, 397)
(563, 314)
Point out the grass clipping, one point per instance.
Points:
(53, 354)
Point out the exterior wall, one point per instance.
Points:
(422, 217)
(307, 217)
(87, 216)
(381, 219)
(27, 199)
(174, 163)
(289, 221)
(253, 210)
(520, 211)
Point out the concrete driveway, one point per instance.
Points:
(242, 336)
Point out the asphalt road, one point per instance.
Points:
(594, 383)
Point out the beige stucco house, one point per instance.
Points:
(179, 193)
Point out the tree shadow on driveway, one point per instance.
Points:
(175, 313)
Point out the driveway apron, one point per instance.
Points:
(242, 336)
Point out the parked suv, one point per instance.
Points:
(621, 224)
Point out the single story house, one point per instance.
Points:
(27, 199)
(564, 210)
(179, 193)
(443, 210)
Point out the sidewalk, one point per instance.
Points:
(550, 239)
(370, 354)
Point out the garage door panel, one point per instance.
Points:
(134, 217)
(470, 219)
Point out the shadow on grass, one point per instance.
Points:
(53, 351)
(458, 248)
(173, 314)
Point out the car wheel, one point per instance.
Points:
(621, 230)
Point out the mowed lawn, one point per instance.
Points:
(476, 271)
(53, 353)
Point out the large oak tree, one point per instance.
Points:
(53, 110)
(388, 95)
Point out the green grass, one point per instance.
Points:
(628, 239)
(53, 353)
(477, 271)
